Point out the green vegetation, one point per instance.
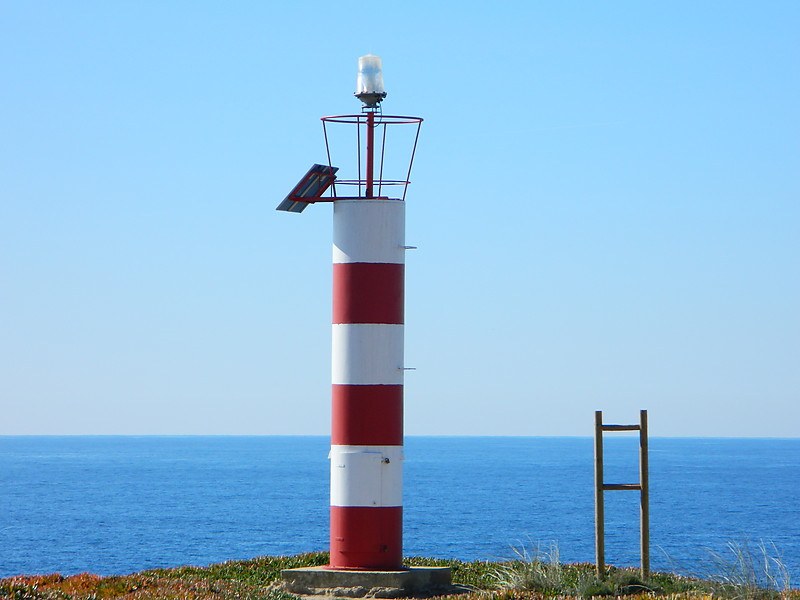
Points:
(749, 573)
(530, 576)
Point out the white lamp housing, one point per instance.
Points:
(369, 84)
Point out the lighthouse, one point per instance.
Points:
(367, 363)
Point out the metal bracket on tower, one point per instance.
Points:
(310, 188)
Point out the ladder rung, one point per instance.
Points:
(622, 486)
(620, 427)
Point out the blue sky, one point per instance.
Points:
(606, 201)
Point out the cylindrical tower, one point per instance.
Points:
(367, 384)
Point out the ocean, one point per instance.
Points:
(119, 504)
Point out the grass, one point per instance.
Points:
(747, 572)
(531, 575)
(542, 573)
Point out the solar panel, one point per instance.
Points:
(309, 189)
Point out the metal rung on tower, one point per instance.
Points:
(643, 487)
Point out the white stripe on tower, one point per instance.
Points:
(367, 384)
(367, 354)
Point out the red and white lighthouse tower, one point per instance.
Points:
(366, 456)
(367, 384)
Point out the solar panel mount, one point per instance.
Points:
(309, 189)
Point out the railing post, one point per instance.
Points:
(644, 481)
(599, 509)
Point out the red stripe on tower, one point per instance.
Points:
(378, 296)
(362, 528)
(367, 415)
(367, 384)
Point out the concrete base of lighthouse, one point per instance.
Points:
(324, 581)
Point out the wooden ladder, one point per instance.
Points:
(600, 487)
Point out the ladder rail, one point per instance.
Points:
(600, 487)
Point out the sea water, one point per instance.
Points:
(113, 505)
